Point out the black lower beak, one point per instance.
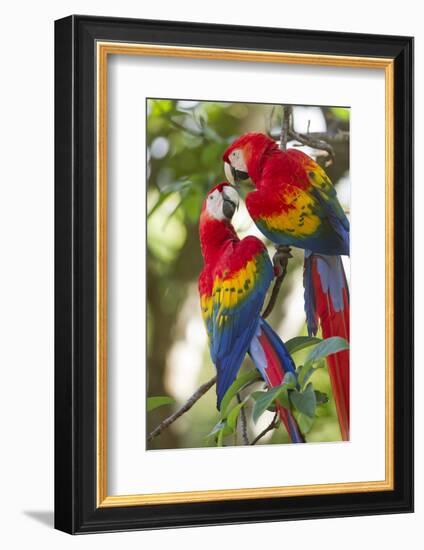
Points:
(239, 175)
(229, 207)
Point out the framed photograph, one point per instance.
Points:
(234, 274)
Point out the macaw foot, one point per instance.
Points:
(281, 259)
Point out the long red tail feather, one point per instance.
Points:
(278, 362)
(331, 297)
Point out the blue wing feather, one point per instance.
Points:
(336, 218)
(235, 318)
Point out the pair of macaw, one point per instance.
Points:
(294, 204)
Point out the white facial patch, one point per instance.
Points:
(215, 202)
(236, 159)
(214, 205)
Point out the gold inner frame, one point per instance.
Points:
(104, 49)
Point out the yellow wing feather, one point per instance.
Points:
(299, 219)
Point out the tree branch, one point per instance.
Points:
(187, 406)
(271, 426)
(285, 126)
(339, 136)
(307, 139)
(243, 422)
(181, 127)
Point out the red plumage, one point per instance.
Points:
(295, 204)
(335, 323)
(275, 377)
(232, 287)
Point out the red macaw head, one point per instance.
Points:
(215, 225)
(243, 159)
(221, 202)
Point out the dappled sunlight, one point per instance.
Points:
(166, 232)
(186, 356)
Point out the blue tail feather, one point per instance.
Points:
(332, 282)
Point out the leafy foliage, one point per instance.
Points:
(296, 393)
(301, 342)
(239, 383)
(159, 401)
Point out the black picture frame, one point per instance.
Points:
(76, 510)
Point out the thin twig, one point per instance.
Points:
(243, 422)
(270, 119)
(187, 406)
(307, 139)
(285, 126)
(179, 126)
(271, 426)
(339, 136)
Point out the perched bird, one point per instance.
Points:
(232, 287)
(294, 203)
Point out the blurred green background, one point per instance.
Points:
(185, 143)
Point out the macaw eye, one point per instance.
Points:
(210, 197)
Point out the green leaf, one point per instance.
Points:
(159, 401)
(257, 394)
(226, 430)
(306, 371)
(305, 423)
(193, 205)
(236, 386)
(325, 348)
(174, 211)
(301, 342)
(216, 429)
(159, 202)
(161, 106)
(290, 380)
(283, 398)
(178, 186)
(220, 430)
(341, 113)
(233, 415)
(210, 154)
(305, 402)
(201, 118)
(321, 397)
(262, 402)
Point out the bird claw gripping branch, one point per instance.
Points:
(281, 260)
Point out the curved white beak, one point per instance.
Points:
(228, 173)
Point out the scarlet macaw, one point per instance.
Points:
(232, 287)
(295, 204)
